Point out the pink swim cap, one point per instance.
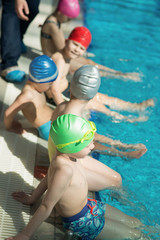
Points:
(70, 8)
(81, 35)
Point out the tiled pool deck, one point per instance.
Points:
(18, 154)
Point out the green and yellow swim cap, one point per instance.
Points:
(71, 133)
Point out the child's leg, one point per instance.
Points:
(118, 231)
(102, 149)
(119, 104)
(99, 176)
(119, 225)
(97, 105)
(115, 214)
(103, 70)
(117, 143)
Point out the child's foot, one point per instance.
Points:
(145, 104)
(138, 119)
(13, 74)
(136, 154)
(144, 237)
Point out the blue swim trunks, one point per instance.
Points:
(88, 223)
(44, 130)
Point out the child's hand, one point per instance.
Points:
(20, 236)
(22, 197)
(17, 128)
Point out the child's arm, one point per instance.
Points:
(57, 85)
(9, 122)
(37, 193)
(58, 185)
(57, 41)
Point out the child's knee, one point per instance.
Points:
(118, 180)
(135, 234)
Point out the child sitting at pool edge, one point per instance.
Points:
(84, 86)
(76, 45)
(31, 101)
(67, 189)
(52, 39)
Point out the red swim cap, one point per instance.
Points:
(81, 35)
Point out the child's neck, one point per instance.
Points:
(67, 156)
(73, 159)
(78, 104)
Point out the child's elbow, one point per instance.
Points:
(5, 118)
(46, 209)
(5, 114)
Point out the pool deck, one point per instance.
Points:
(20, 153)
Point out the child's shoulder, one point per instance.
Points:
(63, 165)
(61, 108)
(27, 92)
(57, 55)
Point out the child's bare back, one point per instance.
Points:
(35, 110)
(52, 37)
(73, 173)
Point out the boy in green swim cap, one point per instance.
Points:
(67, 189)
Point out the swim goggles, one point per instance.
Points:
(87, 136)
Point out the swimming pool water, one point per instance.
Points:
(126, 37)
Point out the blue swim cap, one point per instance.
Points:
(42, 70)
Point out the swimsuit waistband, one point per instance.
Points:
(78, 215)
(82, 212)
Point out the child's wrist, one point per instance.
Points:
(26, 236)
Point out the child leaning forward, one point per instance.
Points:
(31, 101)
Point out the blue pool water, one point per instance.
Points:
(126, 37)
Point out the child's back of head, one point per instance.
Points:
(71, 133)
(69, 8)
(85, 82)
(42, 70)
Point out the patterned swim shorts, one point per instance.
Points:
(88, 223)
